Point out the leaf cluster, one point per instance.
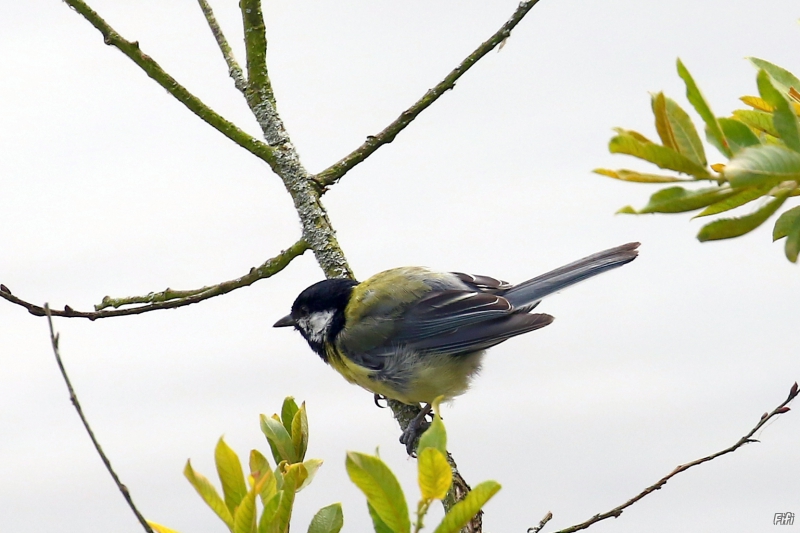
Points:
(761, 145)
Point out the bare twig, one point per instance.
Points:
(234, 70)
(543, 522)
(154, 70)
(332, 174)
(617, 511)
(74, 399)
(167, 299)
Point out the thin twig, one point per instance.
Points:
(234, 70)
(332, 174)
(617, 511)
(255, 42)
(154, 70)
(543, 522)
(74, 399)
(168, 299)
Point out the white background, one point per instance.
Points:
(109, 186)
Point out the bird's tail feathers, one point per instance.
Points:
(531, 291)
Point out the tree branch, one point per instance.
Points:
(255, 41)
(332, 174)
(167, 299)
(617, 511)
(154, 70)
(234, 70)
(74, 399)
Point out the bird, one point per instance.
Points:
(413, 335)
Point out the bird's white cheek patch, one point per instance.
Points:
(316, 324)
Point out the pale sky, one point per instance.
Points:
(109, 186)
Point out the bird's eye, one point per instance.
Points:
(303, 310)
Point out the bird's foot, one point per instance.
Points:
(415, 428)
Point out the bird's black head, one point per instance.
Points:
(318, 313)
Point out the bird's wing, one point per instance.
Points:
(483, 283)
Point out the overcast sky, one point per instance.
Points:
(109, 186)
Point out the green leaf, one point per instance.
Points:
(782, 77)
(377, 523)
(381, 488)
(679, 200)
(738, 134)
(664, 157)
(463, 511)
(262, 474)
(327, 520)
(299, 432)
(758, 120)
(726, 228)
(268, 513)
(158, 528)
(288, 410)
(230, 474)
(312, 465)
(627, 210)
(279, 438)
(785, 223)
(258, 464)
(434, 474)
(763, 165)
(434, 437)
(294, 476)
(739, 198)
(695, 97)
(783, 117)
(676, 129)
(638, 177)
(209, 494)
(244, 519)
(792, 246)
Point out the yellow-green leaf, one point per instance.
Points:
(158, 528)
(659, 155)
(680, 200)
(288, 410)
(381, 488)
(327, 520)
(738, 134)
(434, 474)
(676, 130)
(758, 120)
(638, 177)
(434, 437)
(757, 103)
(230, 474)
(209, 494)
(739, 198)
(763, 165)
(377, 523)
(784, 79)
(312, 465)
(293, 477)
(263, 476)
(268, 513)
(279, 438)
(463, 511)
(788, 220)
(244, 519)
(784, 118)
(727, 228)
(299, 432)
(700, 105)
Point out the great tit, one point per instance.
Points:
(412, 334)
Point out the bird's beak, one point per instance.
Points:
(285, 322)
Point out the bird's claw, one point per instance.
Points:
(380, 397)
(414, 430)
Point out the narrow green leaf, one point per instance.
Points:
(635, 134)
(279, 438)
(757, 103)
(463, 511)
(381, 488)
(726, 228)
(739, 198)
(700, 105)
(158, 528)
(292, 478)
(627, 210)
(680, 200)
(434, 437)
(209, 494)
(258, 464)
(783, 117)
(268, 513)
(738, 134)
(244, 519)
(758, 120)
(434, 474)
(327, 520)
(299, 432)
(312, 465)
(763, 165)
(288, 410)
(782, 77)
(792, 246)
(676, 129)
(783, 226)
(659, 155)
(638, 177)
(377, 523)
(230, 474)
(262, 474)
